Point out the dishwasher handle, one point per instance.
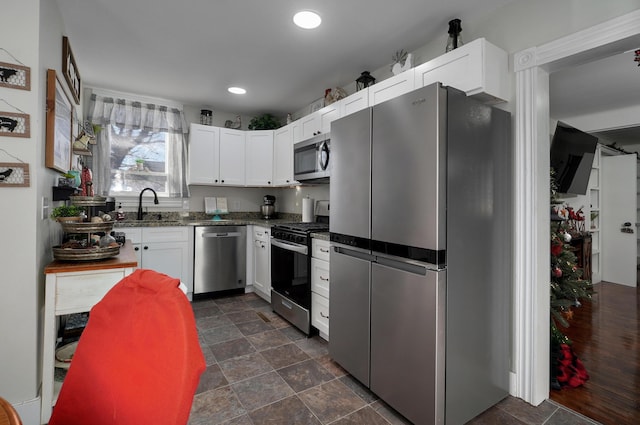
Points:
(222, 235)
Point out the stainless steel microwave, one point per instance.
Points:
(312, 159)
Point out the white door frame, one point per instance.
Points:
(530, 377)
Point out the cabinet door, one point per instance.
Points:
(320, 277)
(283, 156)
(478, 68)
(327, 115)
(320, 314)
(392, 87)
(355, 102)
(259, 158)
(170, 258)
(310, 125)
(204, 143)
(232, 153)
(262, 269)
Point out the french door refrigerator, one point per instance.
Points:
(420, 253)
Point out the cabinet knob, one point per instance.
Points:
(222, 181)
(146, 247)
(137, 248)
(216, 180)
(268, 182)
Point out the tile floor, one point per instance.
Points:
(260, 370)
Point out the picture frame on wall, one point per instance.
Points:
(59, 125)
(14, 174)
(70, 70)
(15, 76)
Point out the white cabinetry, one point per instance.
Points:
(232, 154)
(216, 156)
(204, 146)
(262, 262)
(283, 156)
(259, 158)
(165, 250)
(479, 69)
(355, 102)
(318, 122)
(320, 286)
(392, 87)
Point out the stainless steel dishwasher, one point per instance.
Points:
(220, 257)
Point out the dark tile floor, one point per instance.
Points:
(260, 370)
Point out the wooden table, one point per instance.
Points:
(75, 287)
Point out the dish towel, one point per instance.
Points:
(138, 360)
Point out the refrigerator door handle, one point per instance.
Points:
(402, 265)
(352, 253)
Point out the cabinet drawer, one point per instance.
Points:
(320, 314)
(166, 234)
(79, 291)
(320, 277)
(261, 233)
(320, 249)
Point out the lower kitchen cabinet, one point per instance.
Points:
(262, 262)
(165, 250)
(320, 286)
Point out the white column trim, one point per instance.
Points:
(530, 378)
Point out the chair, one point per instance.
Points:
(8, 415)
(138, 360)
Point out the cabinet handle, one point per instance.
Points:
(322, 314)
(325, 279)
(324, 250)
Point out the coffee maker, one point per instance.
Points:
(268, 209)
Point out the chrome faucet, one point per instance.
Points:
(155, 201)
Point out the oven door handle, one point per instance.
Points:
(289, 247)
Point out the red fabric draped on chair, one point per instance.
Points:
(138, 360)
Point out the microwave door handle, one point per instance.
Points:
(324, 156)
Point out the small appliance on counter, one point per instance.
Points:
(268, 209)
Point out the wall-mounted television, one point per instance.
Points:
(572, 153)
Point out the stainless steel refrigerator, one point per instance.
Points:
(420, 196)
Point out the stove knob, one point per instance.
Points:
(300, 239)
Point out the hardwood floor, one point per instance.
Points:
(606, 333)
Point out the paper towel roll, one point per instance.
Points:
(307, 210)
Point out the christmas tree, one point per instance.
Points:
(567, 285)
(567, 289)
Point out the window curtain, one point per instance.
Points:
(105, 111)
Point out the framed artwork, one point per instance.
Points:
(59, 125)
(14, 125)
(14, 174)
(15, 76)
(70, 70)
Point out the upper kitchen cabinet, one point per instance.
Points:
(479, 69)
(355, 102)
(392, 87)
(204, 146)
(283, 155)
(318, 122)
(232, 157)
(259, 158)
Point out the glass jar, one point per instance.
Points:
(206, 117)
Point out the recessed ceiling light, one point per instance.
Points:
(307, 19)
(236, 90)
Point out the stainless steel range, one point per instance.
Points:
(291, 267)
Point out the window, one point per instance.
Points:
(141, 145)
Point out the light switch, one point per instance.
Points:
(45, 207)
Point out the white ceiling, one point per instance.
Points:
(191, 51)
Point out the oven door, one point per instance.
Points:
(290, 272)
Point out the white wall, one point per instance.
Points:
(19, 250)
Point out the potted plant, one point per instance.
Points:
(66, 213)
(264, 122)
(140, 164)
